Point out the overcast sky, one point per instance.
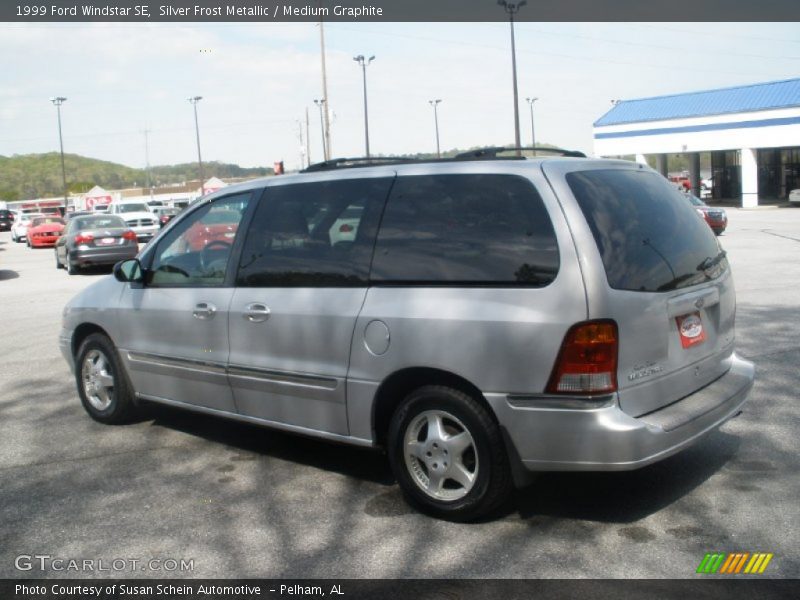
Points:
(257, 80)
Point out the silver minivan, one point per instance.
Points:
(480, 319)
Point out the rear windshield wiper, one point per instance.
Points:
(709, 262)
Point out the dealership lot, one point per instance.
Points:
(248, 502)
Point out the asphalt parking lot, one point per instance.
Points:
(241, 501)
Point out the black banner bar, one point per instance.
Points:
(145, 11)
(416, 589)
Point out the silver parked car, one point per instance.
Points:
(488, 317)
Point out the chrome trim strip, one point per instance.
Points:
(333, 437)
(285, 377)
(563, 402)
(179, 363)
(316, 381)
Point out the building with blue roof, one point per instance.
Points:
(751, 131)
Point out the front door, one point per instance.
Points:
(175, 327)
(301, 283)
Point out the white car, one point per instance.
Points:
(137, 216)
(794, 197)
(19, 231)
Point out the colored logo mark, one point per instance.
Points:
(734, 563)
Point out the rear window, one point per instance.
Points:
(465, 229)
(104, 222)
(649, 237)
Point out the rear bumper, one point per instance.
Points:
(551, 438)
(103, 256)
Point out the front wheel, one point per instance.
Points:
(448, 455)
(103, 385)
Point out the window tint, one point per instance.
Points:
(197, 250)
(313, 234)
(103, 222)
(481, 229)
(649, 236)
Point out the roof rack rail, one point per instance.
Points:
(337, 163)
(492, 152)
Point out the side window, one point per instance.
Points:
(468, 229)
(313, 234)
(196, 252)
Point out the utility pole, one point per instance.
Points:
(326, 145)
(321, 105)
(194, 100)
(147, 160)
(435, 104)
(511, 9)
(308, 139)
(302, 144)
(364, 63)
(58, 101)
(530, 102)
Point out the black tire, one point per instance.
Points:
(72, 268)
(492, 483)
(120, 406)
(58, 262)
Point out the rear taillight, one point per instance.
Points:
(587, 361)
(129, 235)
(84, 238)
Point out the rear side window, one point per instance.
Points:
(465, 229)
(649, 237)
(313, 234)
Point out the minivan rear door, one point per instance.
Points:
(301, 283)
(651, 264)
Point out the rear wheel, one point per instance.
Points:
(447, 454)
(72, 268)
(103, 385)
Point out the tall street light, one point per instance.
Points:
(530, 101)
(326, 146)
(364, 63)
(435, 104)
(321, 105)
(511, 9)
(58, 101)
(194, 100)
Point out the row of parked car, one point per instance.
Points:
(82, 239)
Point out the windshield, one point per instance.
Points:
(46, 221)
(695, 200)
(129, 208)
(649, 238)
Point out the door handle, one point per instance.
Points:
(256, 312)
(204, 311)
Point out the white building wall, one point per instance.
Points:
(773, 136)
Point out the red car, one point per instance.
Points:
(216, 227)
(716, 217)
(43, 232)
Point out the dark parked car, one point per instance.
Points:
(95, 240)
(165, 214)
(716, 217)
(6, 220)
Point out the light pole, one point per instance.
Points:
(58, 101)
(326, 145)
(321, 105)
(530, 101)
(435, 104)
(194, 100)
(364, 64)
(511, 9)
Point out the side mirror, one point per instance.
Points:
(128, 271)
